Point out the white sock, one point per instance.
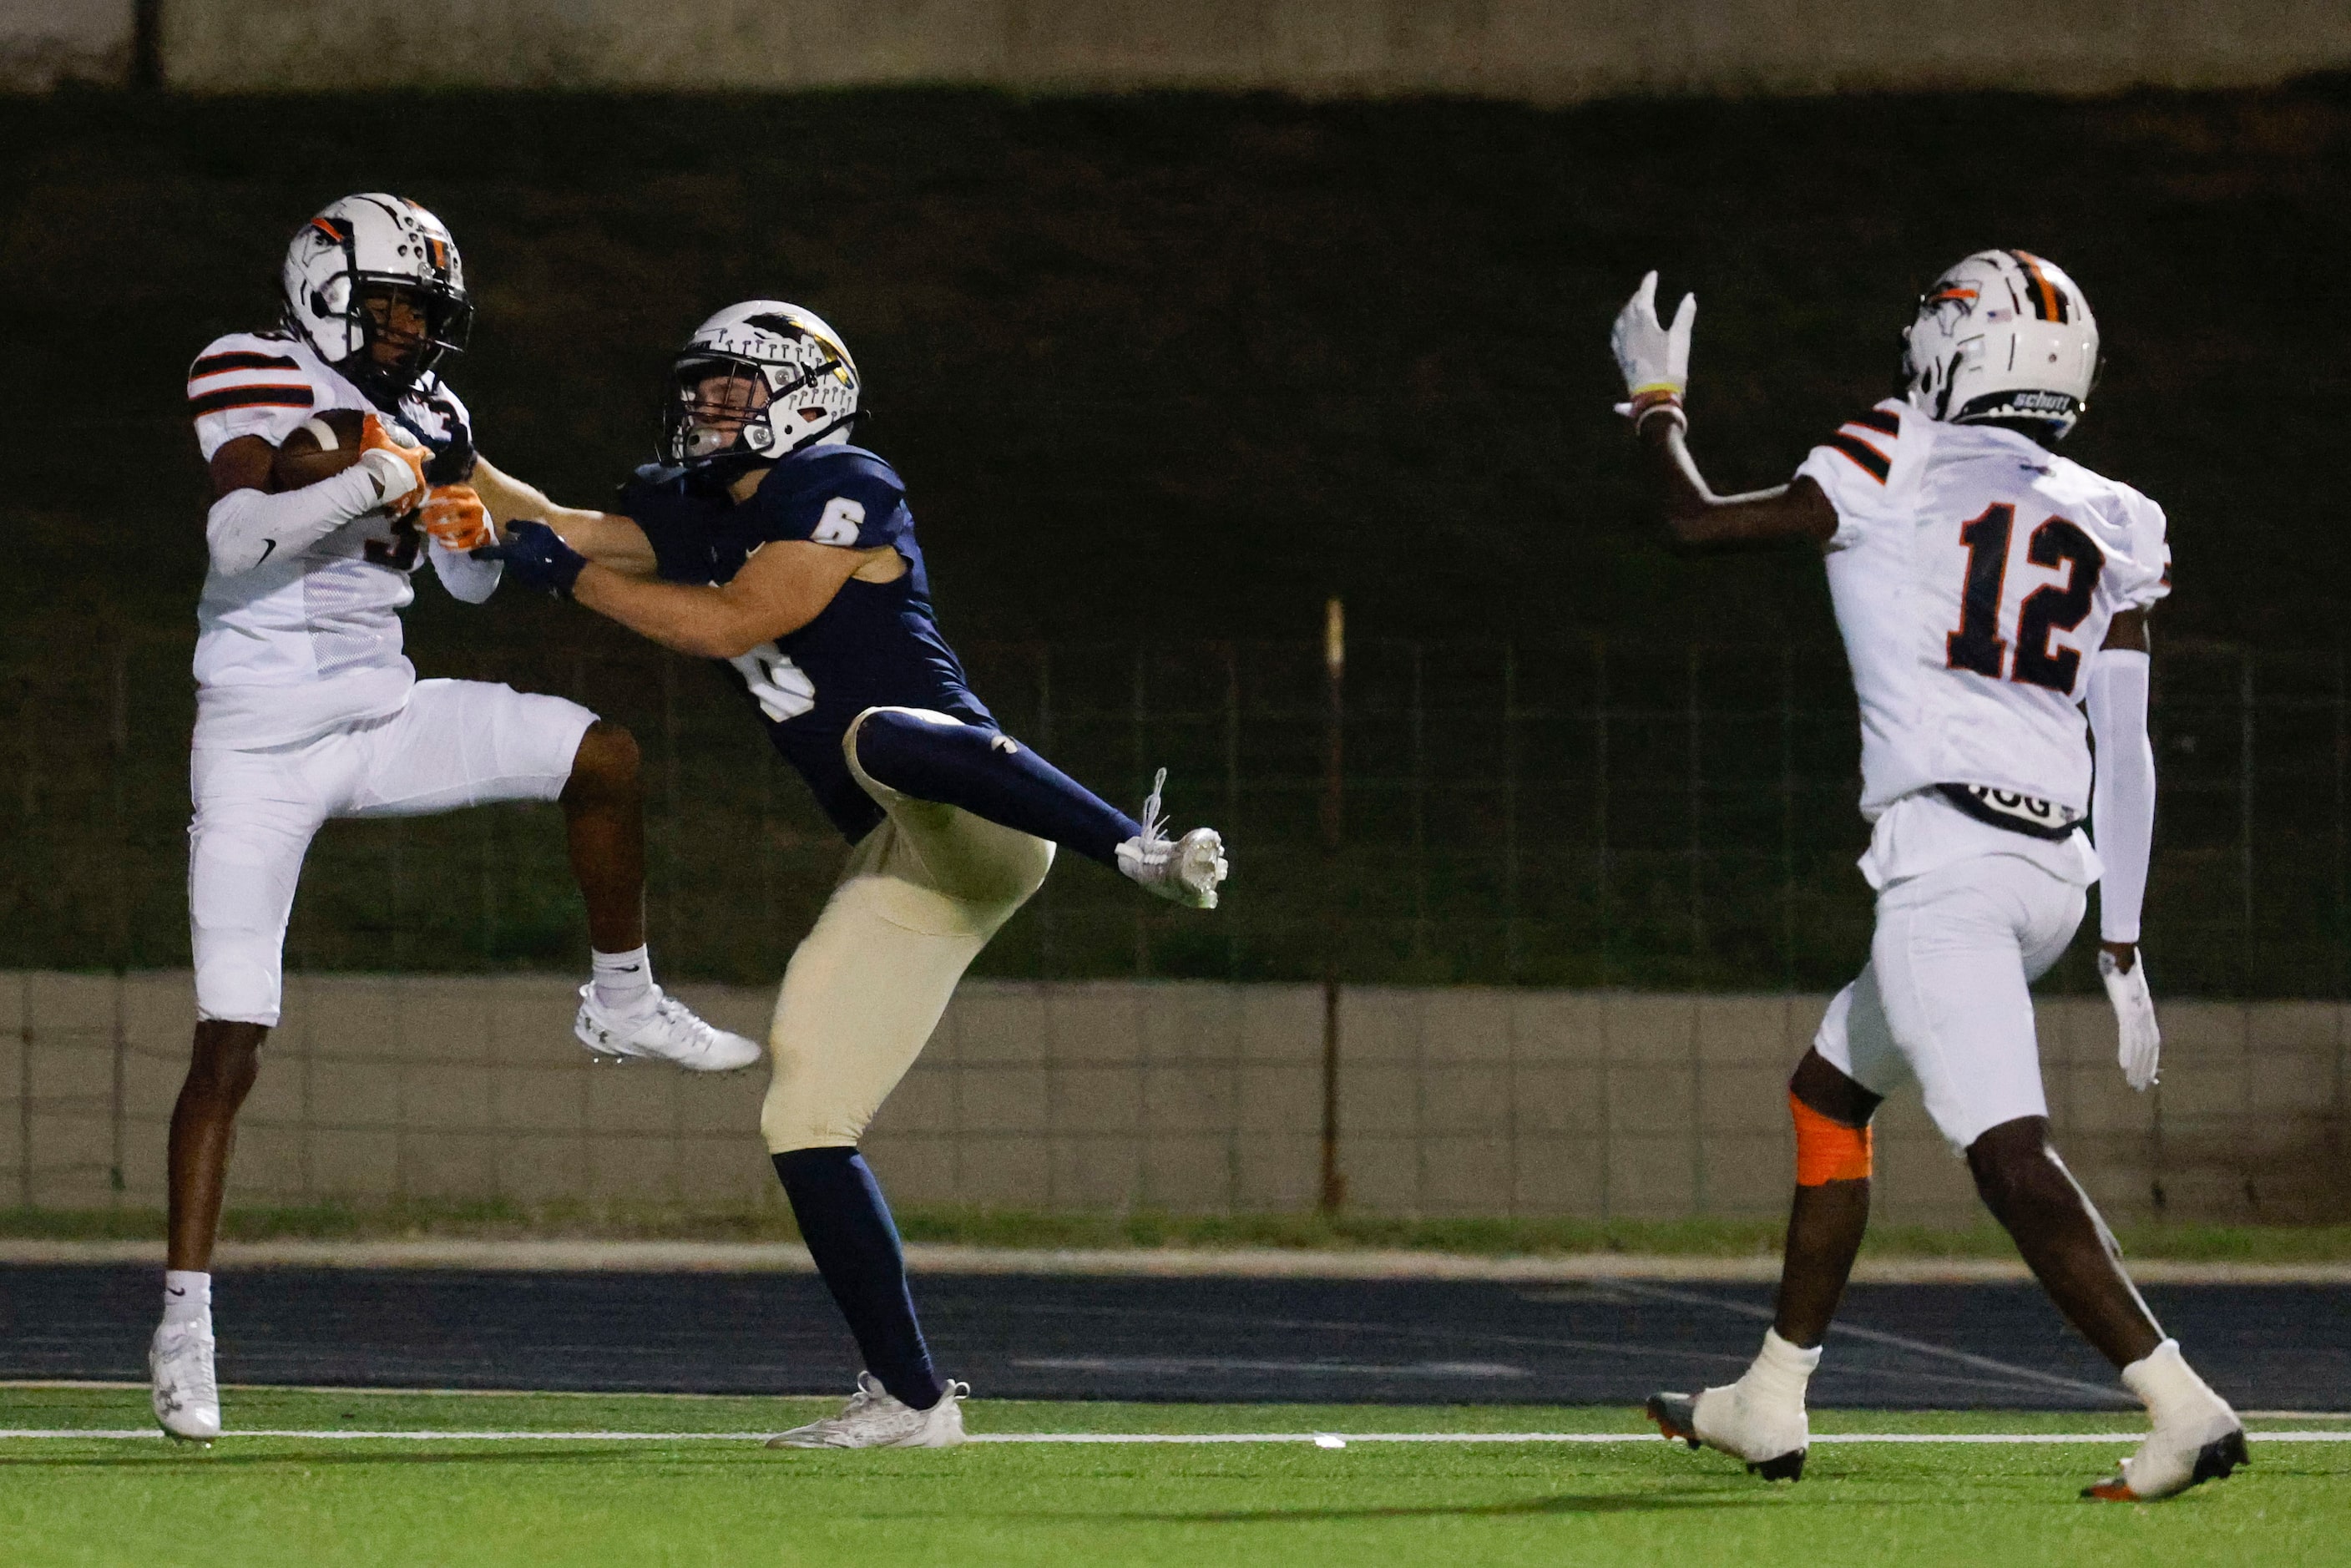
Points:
(187, 1297)
(1781, 1371)
(2169, 1387)
(624, 981)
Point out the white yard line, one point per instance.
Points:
(1323, 1440)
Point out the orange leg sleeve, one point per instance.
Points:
(1827, 1151)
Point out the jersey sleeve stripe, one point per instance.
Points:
(220, 364)
(249, 397)
(1879, 419)
(1865, 457)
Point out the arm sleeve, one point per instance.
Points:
(245, 527)
(2122, 798)
(465, 579)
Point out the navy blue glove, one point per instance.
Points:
(452, 462)
(537, 555)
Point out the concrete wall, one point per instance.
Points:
(1543, 50)
(45, 42)
(1185, 1097)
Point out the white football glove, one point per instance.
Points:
(1655, 358)
(2142, 1041)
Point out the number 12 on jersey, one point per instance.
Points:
(1978, 645)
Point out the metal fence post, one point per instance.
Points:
(118, 743)
(1603, 915)
(1788, 818)
(2246, 810)
(1419, 807)
(1232, 788)
(1335, 665)
(2342, 741)
(672, 803)
(1046, 904)
(1696, 807)
(1510, 812)
(1142, 765)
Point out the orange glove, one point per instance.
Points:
(399, 471)
(454, 515)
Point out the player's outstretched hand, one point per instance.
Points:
(537, 555)
(397, 467)
(2141, 1040)
(1654, 357)
(456, 519)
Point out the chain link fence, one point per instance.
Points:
(1581, 813)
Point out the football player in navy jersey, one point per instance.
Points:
(765, 540)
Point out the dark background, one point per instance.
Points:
(1162, 373)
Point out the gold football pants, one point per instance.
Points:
(921, 894)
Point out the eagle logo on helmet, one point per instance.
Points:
(2003, 337)
(754, 383)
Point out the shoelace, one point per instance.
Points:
(673, 1011)
(1154, 821)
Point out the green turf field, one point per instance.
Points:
(542, 1490)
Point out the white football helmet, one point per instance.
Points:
(2003, 335)
(373, 240)
(803, 386)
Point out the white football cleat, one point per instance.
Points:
(1182, 871)
(873, 1419)
(2197, 1437)
(187, 1397)
(667, 1031)
(2173, 1459)
(1770, 1437)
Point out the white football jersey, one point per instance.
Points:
(312, 639)
(1974, 575)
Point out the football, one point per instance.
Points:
(320, 447)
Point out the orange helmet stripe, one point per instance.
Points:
(2051, 304)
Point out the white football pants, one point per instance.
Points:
(921, 894)
(1945, 997)
(457, 743)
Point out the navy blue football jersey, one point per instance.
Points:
(876, 644)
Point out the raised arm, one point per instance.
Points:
(609, 539)
(1655, 360)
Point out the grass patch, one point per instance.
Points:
(265, 1502)
(1024, 1229)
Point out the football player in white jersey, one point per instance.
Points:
(1986, 591)
(307, 710)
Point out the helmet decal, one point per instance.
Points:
(2004, 335)
(2048, 301)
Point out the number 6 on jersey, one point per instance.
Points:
(783, 688)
